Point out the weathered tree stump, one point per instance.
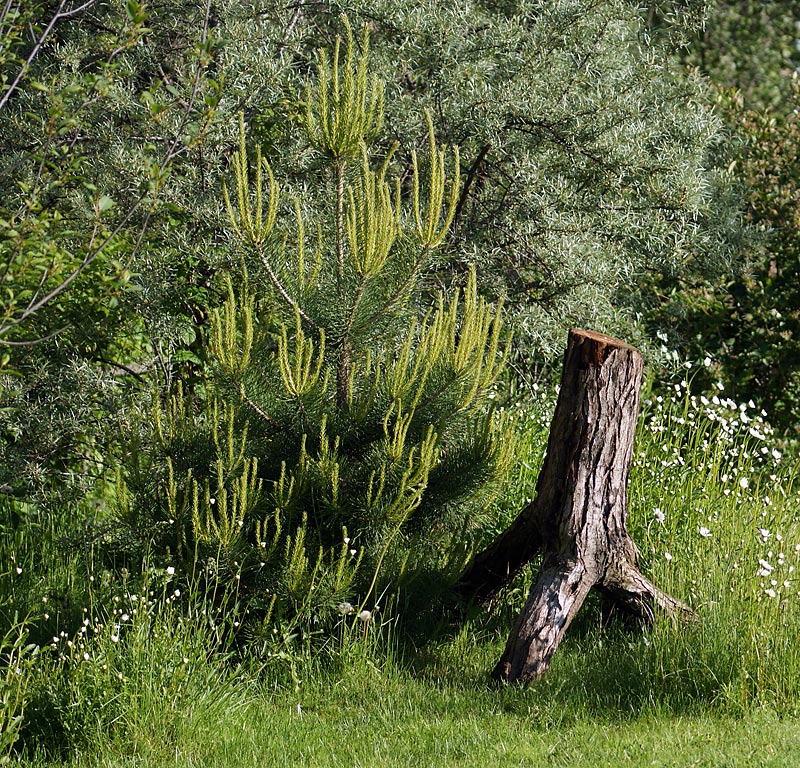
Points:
(578, 517)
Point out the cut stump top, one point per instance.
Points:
(594, 348)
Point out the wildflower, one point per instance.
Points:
(345, 608)
(770, 592)
(704, 532)
(177, 593)
(364, 616)
(19, 571)
(776, 454)
(114, 638)
(659, 515)
(171, 570)
(668, 556)
(765, 533)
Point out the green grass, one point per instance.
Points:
(144, 682)
(388, 716)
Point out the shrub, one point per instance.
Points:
(348, 439)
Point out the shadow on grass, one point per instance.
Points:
(610, 672)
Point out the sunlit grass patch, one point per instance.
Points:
(714, 509)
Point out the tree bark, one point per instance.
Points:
(578, 518)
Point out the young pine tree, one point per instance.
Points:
(354, 443)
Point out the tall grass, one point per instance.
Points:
(714, 507)
(147, 667)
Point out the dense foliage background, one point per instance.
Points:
(281, 287)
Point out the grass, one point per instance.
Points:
(390, 716)
(143, 678)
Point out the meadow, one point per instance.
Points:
(283, 294)
(109, 671)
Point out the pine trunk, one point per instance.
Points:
(578, 517)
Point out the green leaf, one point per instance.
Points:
(105, 203)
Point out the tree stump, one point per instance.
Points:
(578, 517)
